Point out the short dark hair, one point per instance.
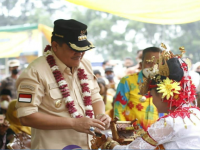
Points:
(104, 62)
(96, 72)
(128, 58)
(150, 49)
(109, 68)
(100, 80)
(138, 51)
(6, 92)
(57, 40)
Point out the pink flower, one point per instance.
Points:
(70, 107)
(81, 74)
(48, 47)
(87, 100)
(63, 86)
(51, 60)
(89, 113)
(63, 90)
(79, 116)
(85, 87)
(65, 94)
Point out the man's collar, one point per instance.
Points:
(59, 63)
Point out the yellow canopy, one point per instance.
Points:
(47, 31)
(13, 43)
(16, 39)
(149, 11)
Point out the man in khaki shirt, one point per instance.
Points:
(42, 101)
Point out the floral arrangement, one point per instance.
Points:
(168, 88)
(174, 92)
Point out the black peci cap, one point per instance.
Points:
(74, 34)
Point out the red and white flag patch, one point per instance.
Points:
(26, 98)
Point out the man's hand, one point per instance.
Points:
(83, 125)
(4, 127)
(105, 119)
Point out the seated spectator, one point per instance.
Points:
(103, 89)
(3, 128)
(97, 73)
(15, 125)
(107, 98)
(5, 98)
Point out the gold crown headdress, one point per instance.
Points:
(166, 55)
(161, 65)
(176, 89)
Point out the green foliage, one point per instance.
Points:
(190, 40)
(115, 45)
(27, 11)
(114, 37)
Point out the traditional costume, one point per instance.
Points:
(180, 128)
(128, 105)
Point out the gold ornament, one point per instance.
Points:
(142, 99)
(163, 67)
(144, 86)
(182, 49)
(163, 46)
(151, 60)
(58, 103)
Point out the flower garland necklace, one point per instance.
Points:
(65, 91)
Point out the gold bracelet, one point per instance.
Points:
(106, 144)
(110, 143)
(113, 144)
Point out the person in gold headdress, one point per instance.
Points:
(173, 92)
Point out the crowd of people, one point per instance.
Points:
(61, 94)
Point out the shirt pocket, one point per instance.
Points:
(54, 91)
(56, 102)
